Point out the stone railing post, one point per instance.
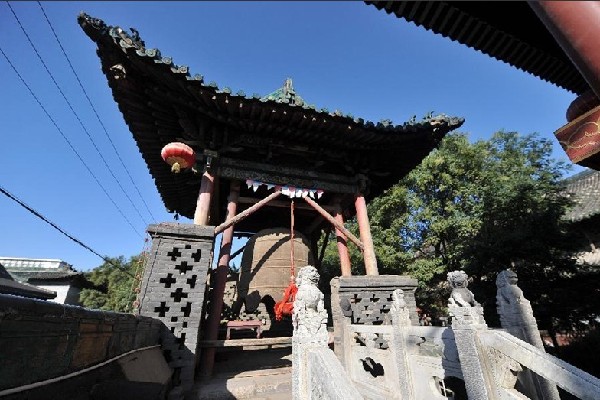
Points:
(309, 319)
(467, 321)
(516, 317)
(401, 321)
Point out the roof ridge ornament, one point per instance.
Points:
(288, 86)
(286, 94)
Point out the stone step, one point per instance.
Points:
(263, 384)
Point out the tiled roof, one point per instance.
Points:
(9, 286)
(44, 263)
(24, 269)
(162, 102)
(48, 275)
(3, 273)
(584, 189)
(508, 31)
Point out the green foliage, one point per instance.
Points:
(481, 207)
(114, 284)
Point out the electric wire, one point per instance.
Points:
(75, 114)
(68, 142)
(52, 224)
(95, 112)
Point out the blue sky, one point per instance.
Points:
(341, 55)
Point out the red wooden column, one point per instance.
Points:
(216, 305)
(342, 245)
(365, 235)
(203, 204)
(575, 25)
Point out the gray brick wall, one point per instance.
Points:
(173, 290)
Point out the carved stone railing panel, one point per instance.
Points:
(370, 361)
(428, 342)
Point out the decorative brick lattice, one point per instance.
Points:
(370, 297)
(370, 307)
(173, 290)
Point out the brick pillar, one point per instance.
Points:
(173, 290)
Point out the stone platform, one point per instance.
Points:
(248, 374)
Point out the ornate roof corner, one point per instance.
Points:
(93, 27)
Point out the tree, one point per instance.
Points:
(114, 284)
(481, 207)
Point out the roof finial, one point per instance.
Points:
(288, 86)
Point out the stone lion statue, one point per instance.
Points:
(309, 316)
(508, 291)
(460, 296)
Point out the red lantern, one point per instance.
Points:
(178, 155)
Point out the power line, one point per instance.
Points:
(52, 224)
(75, 113)
(95, 112)
(68, 142)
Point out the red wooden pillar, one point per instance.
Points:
(575, 25)
(203, 204)
(365, 235)
(342, 245)
(216, 305)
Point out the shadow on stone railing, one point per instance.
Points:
(573, 380)
(40, 340)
